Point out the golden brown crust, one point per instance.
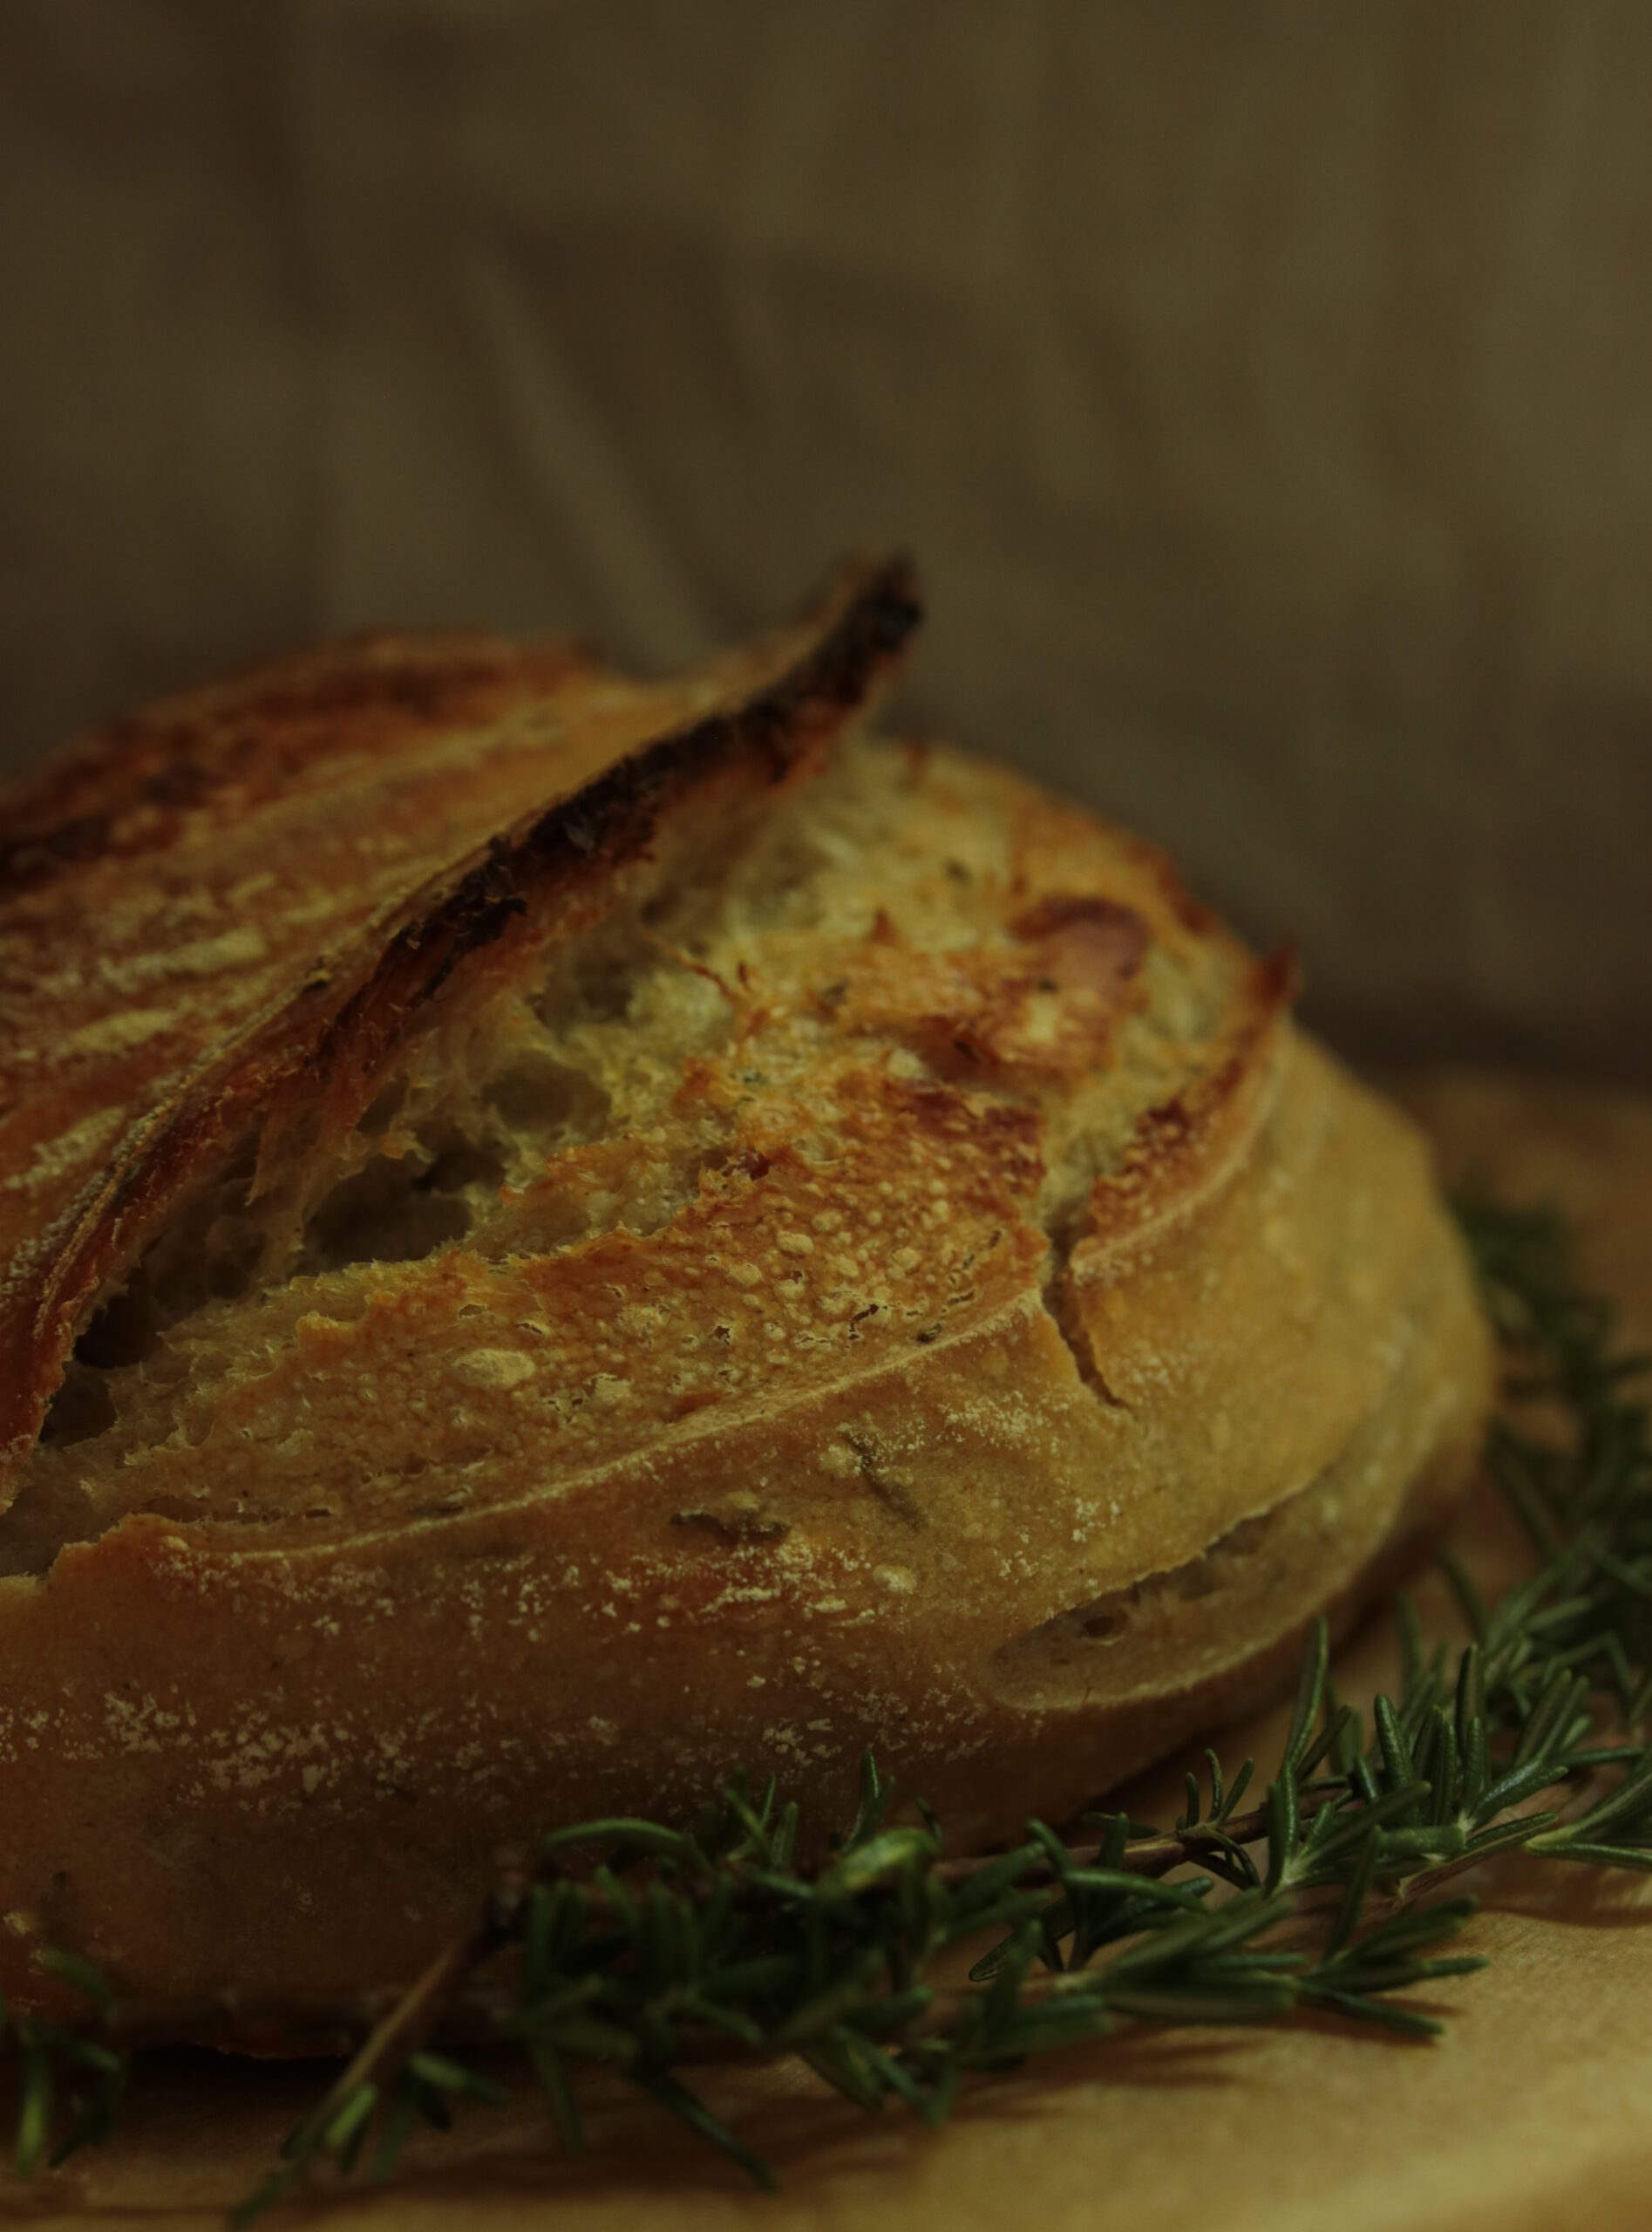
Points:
(952, 1310)
(180, 823)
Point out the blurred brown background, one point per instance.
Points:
(1266, 389)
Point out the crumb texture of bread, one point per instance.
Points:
(565, 1234)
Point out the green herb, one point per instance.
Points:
(646, 1949)
(69, 2080)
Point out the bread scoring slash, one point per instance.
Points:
(563, 1234)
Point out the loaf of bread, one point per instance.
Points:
(563, 1234)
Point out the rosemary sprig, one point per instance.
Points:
(70, 2081)
(645, 1949)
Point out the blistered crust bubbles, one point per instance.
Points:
(744, 1132)
(382, 873)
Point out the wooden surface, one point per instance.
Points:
(1534, 2111)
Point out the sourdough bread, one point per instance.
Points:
(565, 1235)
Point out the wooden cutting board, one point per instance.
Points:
(1534, 2111)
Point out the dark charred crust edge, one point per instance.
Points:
(332, 1036)
(587, 838)
(121, 792)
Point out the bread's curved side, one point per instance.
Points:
(292, 1767)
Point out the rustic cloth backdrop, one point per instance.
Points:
(1267, 390)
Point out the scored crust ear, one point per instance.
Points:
(545, 793)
